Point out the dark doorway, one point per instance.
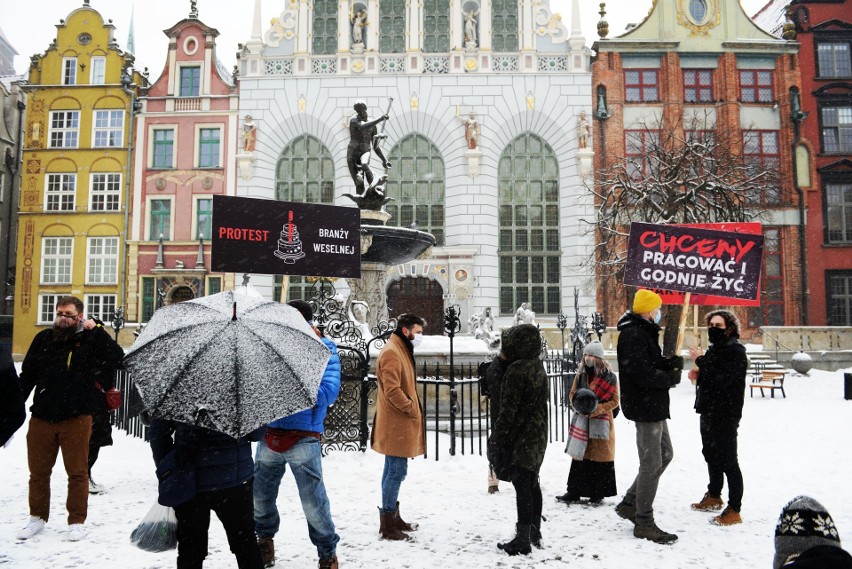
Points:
(422, 296)
(181, 294)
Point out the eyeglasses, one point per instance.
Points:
(66, 315)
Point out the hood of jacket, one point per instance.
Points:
(632, 319)
(521, 342)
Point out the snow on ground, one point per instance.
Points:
(787, 447)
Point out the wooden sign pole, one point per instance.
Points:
(684, 312)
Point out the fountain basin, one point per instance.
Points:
(394, 245)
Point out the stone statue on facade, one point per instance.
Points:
(358, 312)
(525, 315)
(470, 22)
(471, 130)
(249, 135)
(358, 21)
(482, 328)
(584, 131)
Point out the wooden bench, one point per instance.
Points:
(770, 380)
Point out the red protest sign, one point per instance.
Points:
(696, 260)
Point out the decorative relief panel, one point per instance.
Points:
(392, 65)
(552, 63)
(505, 63)
(325, 66)
(278, 67)
(436, 65)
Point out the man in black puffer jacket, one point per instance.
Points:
(721, 378)
(645, 378)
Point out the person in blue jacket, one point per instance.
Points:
(223, 481)
(295, 440)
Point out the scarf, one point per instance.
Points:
(584, 428)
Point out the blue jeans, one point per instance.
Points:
(304, 460)
(396, 468)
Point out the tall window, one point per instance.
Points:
(436, 26)
(214, 285)
(641, 85)
(504, 25)
(64, 127)
(149, 299)
(204, 218)
(760, 152)
(109, 128)
(98, 70)
(161, 219)
(190, 81)
(771, 309)
(837, 129)
(325, 28)
(833, 59)
(164, 148)
(838, 297)
(47, 307)
(100, 306)
(56, 256)
(640, 150)
(102, 260)
(305, 173)
(208, 148)
(838, 204)
(69, 70)
(698, 85)
(419, 186)
(105, 192)
(529, 254)
(755, 86)
(60, 192)
(392, 26)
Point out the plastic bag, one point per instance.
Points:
(157, 531)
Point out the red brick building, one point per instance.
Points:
(706, 58)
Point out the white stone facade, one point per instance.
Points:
(547, 84)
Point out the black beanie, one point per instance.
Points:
(304, 308)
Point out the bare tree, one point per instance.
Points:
(675, 173)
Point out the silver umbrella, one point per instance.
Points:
(227, 362)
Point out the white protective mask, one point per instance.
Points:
(417, 340)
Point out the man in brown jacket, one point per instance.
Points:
(398, 425)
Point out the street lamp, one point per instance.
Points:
(118, 321)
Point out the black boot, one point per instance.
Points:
(535, 535)
(521, 542)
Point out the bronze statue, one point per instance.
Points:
(364, 139)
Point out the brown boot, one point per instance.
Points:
(708, 503)
(728, 517)
(400, 524)
(388, 527)
(267, 550)
(330, 563)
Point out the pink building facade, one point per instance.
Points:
(185, 141)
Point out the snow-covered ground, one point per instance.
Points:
(791, 446)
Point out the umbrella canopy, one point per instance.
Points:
(225, 366)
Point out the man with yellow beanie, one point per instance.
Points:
(645, 378)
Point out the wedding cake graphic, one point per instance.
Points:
(289, 244)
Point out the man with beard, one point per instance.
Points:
(398, 431)
(363, 136)
(63, 364)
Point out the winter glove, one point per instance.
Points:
(674, 377)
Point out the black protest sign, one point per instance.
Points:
(694, 260)
(284, 238)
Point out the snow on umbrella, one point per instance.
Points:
(225, 366)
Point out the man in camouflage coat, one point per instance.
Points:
(520, 432)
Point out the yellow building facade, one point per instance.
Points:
(76, 175)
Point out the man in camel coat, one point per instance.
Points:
(398, 431)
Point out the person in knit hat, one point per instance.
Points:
(806, 538)
(645, 379)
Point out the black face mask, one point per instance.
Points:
(716, 335)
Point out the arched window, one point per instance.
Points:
(305, 173)
(698, 10)
(504, 25)
(325, 28)
(436, 26)
(392, 26)
(529, 253)
(418, 186)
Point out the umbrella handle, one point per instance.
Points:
(234, 317)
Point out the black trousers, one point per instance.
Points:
(235, 509)
(719, 446)
(527, 496)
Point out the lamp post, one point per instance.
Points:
(452, 324)
(117, 321)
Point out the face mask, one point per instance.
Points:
(417, 340)
(716, 335)
(658, 317)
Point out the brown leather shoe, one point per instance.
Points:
(330, 563)
(267, 550)
(728, 517)
(388, 528)
(401, 524)
(709, 503)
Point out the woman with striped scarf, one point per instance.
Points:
(591, 442)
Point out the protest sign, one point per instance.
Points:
(694, 260)
(285, 238)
